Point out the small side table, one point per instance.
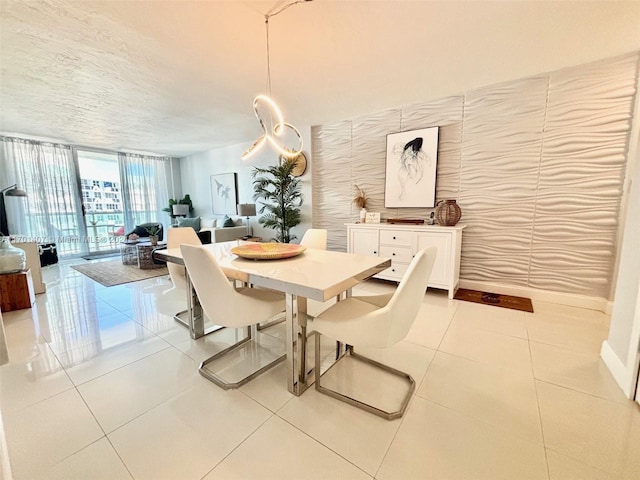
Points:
(145, 255)
(16, 291)
(129, 252)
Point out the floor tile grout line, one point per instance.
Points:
(453, 316)
(565, 349)
(581, 462)
(541, 423)
(118, 368)
(402, 420)
(492, 366)
(104, 435)
(484, 422)
(627, 403)
(325, 446)
(249, 435)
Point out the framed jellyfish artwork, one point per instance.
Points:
(411, 168)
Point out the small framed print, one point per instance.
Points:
(372, 217)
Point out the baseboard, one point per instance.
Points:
(621, 374)
(569, 299)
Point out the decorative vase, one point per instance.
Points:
(363, 215)
(12, 259)
(448, 213)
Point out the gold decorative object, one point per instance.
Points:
(299, 161)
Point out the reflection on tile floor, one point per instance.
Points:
(103, 383)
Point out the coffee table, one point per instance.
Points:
(140, 254)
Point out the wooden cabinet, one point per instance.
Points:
(401, 242)
(16, 291)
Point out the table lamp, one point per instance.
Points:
(180, 210)
(247, 210)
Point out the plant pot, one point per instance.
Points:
(153, 239)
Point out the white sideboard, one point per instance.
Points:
(400, 242)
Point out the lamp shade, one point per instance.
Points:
(180, 209)
(14, 191)
(247, 209)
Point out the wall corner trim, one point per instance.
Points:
(621, 374)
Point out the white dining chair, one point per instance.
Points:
(378, 321)
(315, 238)
(234, 307)
(177, 294)
(177, 236)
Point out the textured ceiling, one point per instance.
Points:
(178, 77)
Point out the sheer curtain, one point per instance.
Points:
(144, 188)
(52, 211)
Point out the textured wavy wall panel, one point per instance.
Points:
(369, 147)
(332, 185)
(536, 164)
(501, 144)
(581, 176)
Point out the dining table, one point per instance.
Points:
(313, 274)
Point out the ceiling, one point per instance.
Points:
(178, 77)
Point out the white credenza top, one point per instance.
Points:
(407, 226)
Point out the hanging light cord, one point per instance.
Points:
(266, 22)
(267, 16)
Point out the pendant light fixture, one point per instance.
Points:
(277, 127)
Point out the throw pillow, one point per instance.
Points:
(190, 222)
(228, 222)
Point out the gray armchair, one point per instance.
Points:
(141, 230)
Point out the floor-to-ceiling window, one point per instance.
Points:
(101, 190)
(51, 211)
(84, 200)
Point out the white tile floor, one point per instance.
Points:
(102, 383)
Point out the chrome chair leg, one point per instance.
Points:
(218, 380)
(357, 403)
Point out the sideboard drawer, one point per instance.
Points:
(398, 254)
(396, 270)
(396, 237)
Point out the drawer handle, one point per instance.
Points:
(393, 269)
(393, 254)
(394, 238)
(375, 252)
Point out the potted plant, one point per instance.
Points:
(280, 192)
(178, 208)
(153, 234)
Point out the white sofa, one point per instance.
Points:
(220, 233)
(225, 234)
